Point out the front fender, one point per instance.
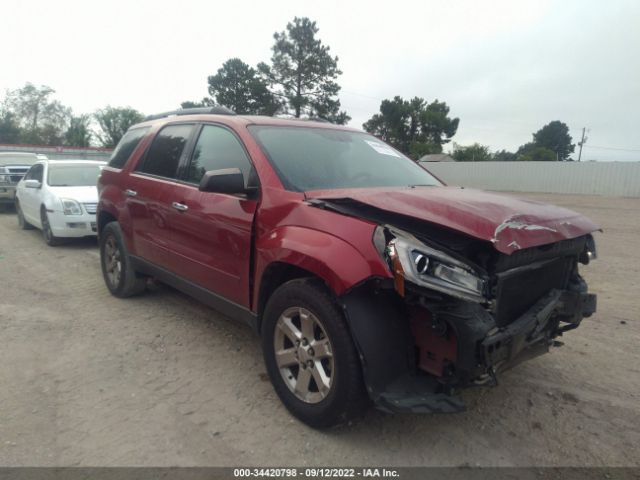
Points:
(336, 262)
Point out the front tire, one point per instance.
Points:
(117, 270)
(47, 233)
(22, 222)
(310, 355)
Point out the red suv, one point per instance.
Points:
(367, 278)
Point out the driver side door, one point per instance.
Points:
(30, 197)
(210, 233)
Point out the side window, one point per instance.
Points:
(29, 174)
(35, 173)
(217, 148)
(163, 156)
(126, 146)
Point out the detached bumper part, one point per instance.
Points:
(388, 349)
(532, 333)
(387, 352)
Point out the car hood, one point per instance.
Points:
(80, 194)
(509, 223)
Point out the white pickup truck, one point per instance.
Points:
(13, 166)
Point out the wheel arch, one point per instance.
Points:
(105, 217)
(296, 252)
(274, 275)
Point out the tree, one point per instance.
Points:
(9, 128)
(537, 154)
(41, 119)
(114, 123)
(239, 87)
(555, 137)
(414, 126)
(189, 104)
(472, 153)
(504, 156)
(79, 133)
(303, 73)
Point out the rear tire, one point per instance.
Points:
(322, 385)
(119, 276)
(22, 223)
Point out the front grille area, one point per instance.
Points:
(90, 207)
(16, 173)
(516, 290)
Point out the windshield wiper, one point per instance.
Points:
(421, 185)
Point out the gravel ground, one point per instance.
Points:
(88, 379)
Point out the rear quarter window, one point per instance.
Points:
(126, 146)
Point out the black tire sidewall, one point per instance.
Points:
(128, 284)
(50, 240)
(313, 296)
(21, 220)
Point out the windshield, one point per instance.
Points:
(73, 175)
(308, 158)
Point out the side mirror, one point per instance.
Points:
(32, 184)
(226, 180)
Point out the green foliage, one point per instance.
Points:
(504, 156)
(303, 73)
(239, 87)
(79, 133)
(552, 142)
(40, 118)
(555, 137)
(9, 128)
(472, 153)
(533, 153)
(417, 150)
(114, 123)
(414, 126)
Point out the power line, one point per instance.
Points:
(613, 148)
(360, 95)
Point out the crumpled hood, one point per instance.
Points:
(509, 223)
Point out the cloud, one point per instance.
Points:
(505, 68)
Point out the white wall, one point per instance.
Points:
(615, 179)
(61, 153)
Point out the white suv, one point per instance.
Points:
(60, 198)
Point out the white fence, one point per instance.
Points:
(615, 179)
(61, 153)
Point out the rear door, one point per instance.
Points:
(211, 232)
(148, 192)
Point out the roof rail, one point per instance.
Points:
(217, 110)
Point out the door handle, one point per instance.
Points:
(181, 207)
(130, 193)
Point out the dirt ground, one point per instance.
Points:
(88, 379)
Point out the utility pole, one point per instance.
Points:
(581, 143)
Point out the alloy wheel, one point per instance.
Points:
(112, 261)
(304, 354)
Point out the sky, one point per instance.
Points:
(505, 68)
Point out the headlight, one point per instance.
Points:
(589, 253)
(3, 178)
(71, 207)
(425, 266)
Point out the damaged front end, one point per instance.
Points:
(452, 318)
